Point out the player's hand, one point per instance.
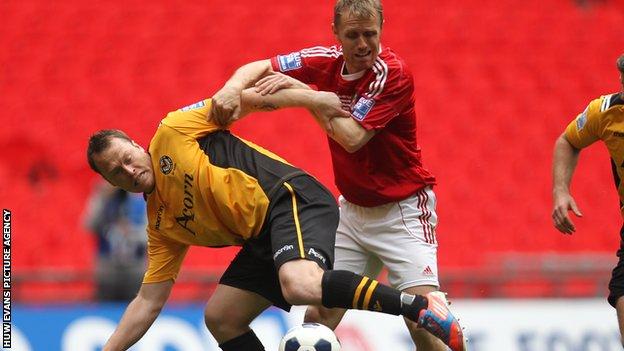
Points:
(562, 203)
(226, 106)
(277, 81)
(327, 106)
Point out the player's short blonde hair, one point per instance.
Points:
(359, 9)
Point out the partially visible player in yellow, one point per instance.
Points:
(206, 187)
(602, 120)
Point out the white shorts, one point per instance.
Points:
(399, 235)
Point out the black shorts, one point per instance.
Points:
(616, 285)
(301, 223)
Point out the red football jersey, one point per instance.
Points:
(388, 168)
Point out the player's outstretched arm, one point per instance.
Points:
(139, 315)
(565, 158)
(324, 106)
(277, 81)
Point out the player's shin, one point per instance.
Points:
(345, 289)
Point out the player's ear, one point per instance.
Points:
(334, 29)
(136, 145)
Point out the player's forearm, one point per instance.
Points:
(346, 131)
(135, 322)
(565, 158)
(252, 101)
(139, 315)
(245, 76)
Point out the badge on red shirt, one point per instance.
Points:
(289, 62)
(362, 108)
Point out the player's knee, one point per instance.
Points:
(301, 282)
(295, 292)
(221, 324)
(212, 318)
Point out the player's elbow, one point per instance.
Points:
(261, 66)
(352, 142)
(352, 148)
(153, 296)
(152, 307)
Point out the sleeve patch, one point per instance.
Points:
(362, 108)
(581, 120)
(289, 62)
(193, 106)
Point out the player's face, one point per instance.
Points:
(359, 38)
(125, 164)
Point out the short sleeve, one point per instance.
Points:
(585, 128)
(307, 65)
(192, 120)
(164, 258)
(389, 94)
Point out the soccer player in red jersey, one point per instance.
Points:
(387, 204)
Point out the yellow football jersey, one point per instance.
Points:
(212, 188)
(603, 120)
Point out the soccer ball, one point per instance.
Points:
(310, 337)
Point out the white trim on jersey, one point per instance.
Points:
(605, 103)
(321, 48)
(605, 99)
(381, 75)
(321, 51)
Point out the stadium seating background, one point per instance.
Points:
(496, 83)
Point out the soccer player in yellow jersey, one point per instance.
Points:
(602, 120)
(205, 186)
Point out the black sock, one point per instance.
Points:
(349, 290)
(246, 342)
(412, 305)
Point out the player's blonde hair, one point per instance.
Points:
(359, 9)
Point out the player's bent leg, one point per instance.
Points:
(344, 289)
(422, 338)
(329, 317)
(304, 283)
(228, 314)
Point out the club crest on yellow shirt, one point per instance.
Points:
(166, 164)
